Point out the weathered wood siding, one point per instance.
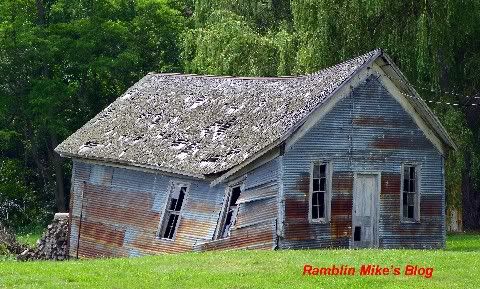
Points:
(256, 223)
(366, 131)
(121, 210)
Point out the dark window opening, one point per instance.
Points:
(410, 194)
(319, 192)
(172, 214)
(170, 229)
(231, 211)
(357, 234)
(235, 195)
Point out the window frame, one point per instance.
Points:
(163, 220)
(418, 192)
(328, 192)
(225, 206)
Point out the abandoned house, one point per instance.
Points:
(348, 157)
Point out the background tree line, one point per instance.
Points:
(62, 61)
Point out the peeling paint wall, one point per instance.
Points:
(366, 131)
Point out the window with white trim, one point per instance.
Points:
(319, 202)
(230, 211)
(410, 195)
(171, 217)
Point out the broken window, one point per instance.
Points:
(171, 217)
(410, 193)
(230, 212)
(319, 192)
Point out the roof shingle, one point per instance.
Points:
(201, 124)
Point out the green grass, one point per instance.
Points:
(30, 238)
(456, 267)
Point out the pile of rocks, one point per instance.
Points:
(53, 244)
(8, 242)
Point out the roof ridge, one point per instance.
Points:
(281, 77)
(370, 53)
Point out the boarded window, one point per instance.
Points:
(410, 193)
(171, 217)
(230, 213)
(319, 192)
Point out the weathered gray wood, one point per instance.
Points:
(365, 209)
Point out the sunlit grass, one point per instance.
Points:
(456, 267)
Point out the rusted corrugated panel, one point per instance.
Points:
(342, 182)
(368, 131)
(258, 193)
(122, 209)
(264, 174)
(81, 174)
(258, 236)
(255, 225)
(91, 248)
(256, 212)
(120, 217)
(296, 207)
(391, 183)
(431, 205)
(102, 233)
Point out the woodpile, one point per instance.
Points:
(8, 242)
(53, 244)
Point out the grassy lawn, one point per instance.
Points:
(456, 267)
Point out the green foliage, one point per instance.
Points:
(61, 62)
(264, 15)
(229, 46)
(454, 121)
(17, 197)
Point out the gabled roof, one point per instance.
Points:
(199, 125)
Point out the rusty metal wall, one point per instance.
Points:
(120, 210)
(255, 227)
(116, 212)
(366, 131)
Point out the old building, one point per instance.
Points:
(347, 157)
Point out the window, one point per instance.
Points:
(230, 212)
(319, 192)
(410, 193)
(171, 216)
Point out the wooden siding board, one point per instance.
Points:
(366, 131)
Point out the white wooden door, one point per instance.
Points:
(365, 210)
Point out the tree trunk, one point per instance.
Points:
(57, 161)
(41, 16)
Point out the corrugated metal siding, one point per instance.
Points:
(366, 131)
(120, 211)
(255, 227)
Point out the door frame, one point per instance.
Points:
(376, 204)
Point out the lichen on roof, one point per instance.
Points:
(201, 124)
